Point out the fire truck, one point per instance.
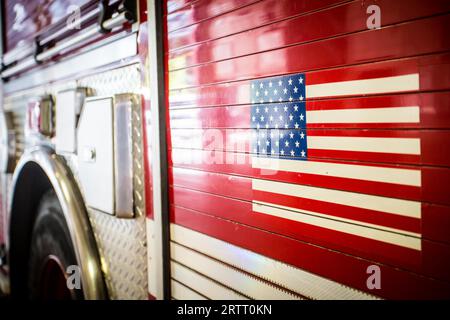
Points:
(225, 149)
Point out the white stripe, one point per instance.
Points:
(203, 285)
(341, 226)
(409, 82)
(365, 144)
(181, 292)
(365, 115)
(224, 274)
(401, 207)
(294, 279)
(407, 177)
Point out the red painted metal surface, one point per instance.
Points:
(231, 140)
(214, 55)
(328, 263)
(269, 29)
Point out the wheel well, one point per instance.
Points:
(32, 183)
(38, 171)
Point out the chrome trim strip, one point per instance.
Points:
(17, 53)
(86, 34)
(159, 246)
(113, 51)
(75, 214)
(84, 18)
(124, 104)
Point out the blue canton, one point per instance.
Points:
(278, 117)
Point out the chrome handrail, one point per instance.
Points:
(72, 42)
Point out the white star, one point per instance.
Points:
(282, 152)
(290, 81)
(266, 93)
(280, 83)
(270, 84)
(275, 92)
(261, 101)
(291, 135)
(277, 143)
(257, 93)
(267, 126)
(302, 117)
(253, 85)
(301, 98)
(286, 126)
(296, 125)
(290, 99)
(266, 109)
(295, 89)
(281, 117)
(285, 108)
(296, 107)
(261, 118)
(286, 143)
(270, 100)
(285, 90)
(275, 109)
(302, 135)
(267, 143)
(261, 85)
(279, 100)
(276, 125)
(253, 118)
(273, 151)
(300, 80)
(257, 110)
(297, 144)
(281, 135)
(291, 117)
(292, 153)
(303, 153)
(257, 125)
(270, 118)
(259, 143)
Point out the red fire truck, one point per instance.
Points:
(225, 149)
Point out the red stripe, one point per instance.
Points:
(435, 221)
(343, 211)
(229, 140)
(242, 212)
(432, 69)
(396, 284)
(434, 112)
(239, 164)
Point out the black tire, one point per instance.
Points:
(51, 252)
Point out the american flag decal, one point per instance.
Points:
(283, 132)
(278, 117)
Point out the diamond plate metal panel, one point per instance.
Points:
(122, 242)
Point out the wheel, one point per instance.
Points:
(51, 253)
